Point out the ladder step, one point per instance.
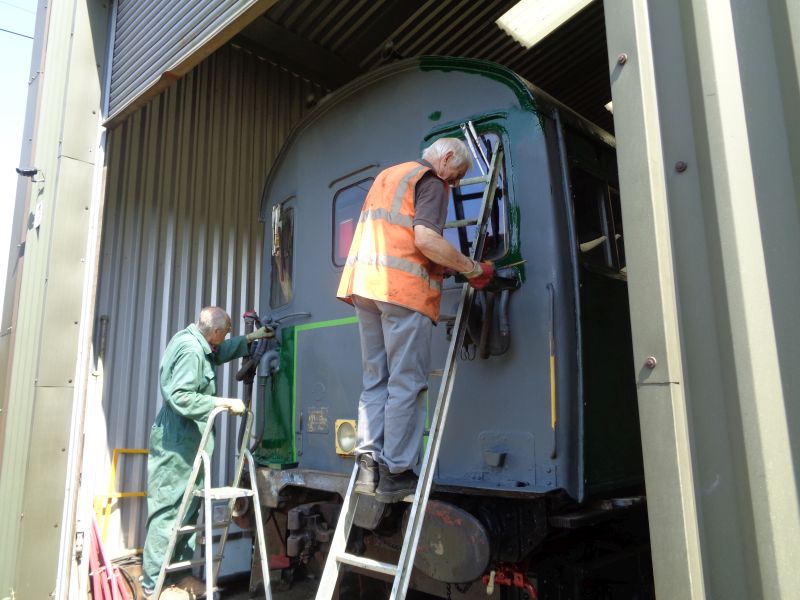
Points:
(472, 180)
(460, 223)
(367, 563)
(225, 493)
(409, 498)
(192, 528)
(188, 564)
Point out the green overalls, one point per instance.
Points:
(188, 387)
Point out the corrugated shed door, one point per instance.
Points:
(158, 41)
(181, 231)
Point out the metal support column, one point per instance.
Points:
(705, 95)
(52, 321)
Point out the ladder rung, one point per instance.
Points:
(225, 493)
(214, 525)
(367, 563)
(188, 564)
(460, 223)
(409, 498)
(472, 180)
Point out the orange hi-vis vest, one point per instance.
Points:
(384, 263)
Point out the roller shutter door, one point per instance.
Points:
(157, 41)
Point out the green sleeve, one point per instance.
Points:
(236, 347)
(181, 389)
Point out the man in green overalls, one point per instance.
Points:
(188, 385)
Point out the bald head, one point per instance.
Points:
(453, 146)
(214, 323)
(450, 159)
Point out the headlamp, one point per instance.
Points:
(345, 436)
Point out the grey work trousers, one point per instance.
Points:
(395, 352)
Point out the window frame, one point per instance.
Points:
(287, 207)
(602, 190)
(483, 128)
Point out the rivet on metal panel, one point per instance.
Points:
(622, 59)
(651, 362)
(680, 166)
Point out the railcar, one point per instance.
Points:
(539, 484)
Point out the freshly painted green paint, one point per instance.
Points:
(279, 445)
(297, 330)
(323, 324)
(495, 72)
(499, 123)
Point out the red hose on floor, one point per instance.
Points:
(107, 583)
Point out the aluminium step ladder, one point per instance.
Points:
(209, 495)
(401, 572)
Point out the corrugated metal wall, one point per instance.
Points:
(152, 37)
(181, 231)
(569, 64)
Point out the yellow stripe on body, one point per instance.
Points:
(553, 409)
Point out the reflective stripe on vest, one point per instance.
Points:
(400, 192)
(382, 213)
(393, 262)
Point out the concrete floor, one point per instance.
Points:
(300, 590)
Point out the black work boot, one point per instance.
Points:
(367, 477)
(393, 487)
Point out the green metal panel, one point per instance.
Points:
(705, 100)
(44, 349)
(64, 275)
(40, 519)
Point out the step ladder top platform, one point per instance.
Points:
(188, 564)
(367, 563)
(225, 493)
(409, 498)
(201, 527)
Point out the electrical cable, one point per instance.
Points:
(129, 580)
(30, 37)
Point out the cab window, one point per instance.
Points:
(280, 290)
(465, 204)
(347, 205)
(598, 221)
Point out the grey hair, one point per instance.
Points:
(444, 145)
(212, 318)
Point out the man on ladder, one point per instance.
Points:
(393, 278)
(188, 386)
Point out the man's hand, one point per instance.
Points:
(262, 332)
(480, 275)
(234, 405)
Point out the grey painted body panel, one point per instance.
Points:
(501, 404)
